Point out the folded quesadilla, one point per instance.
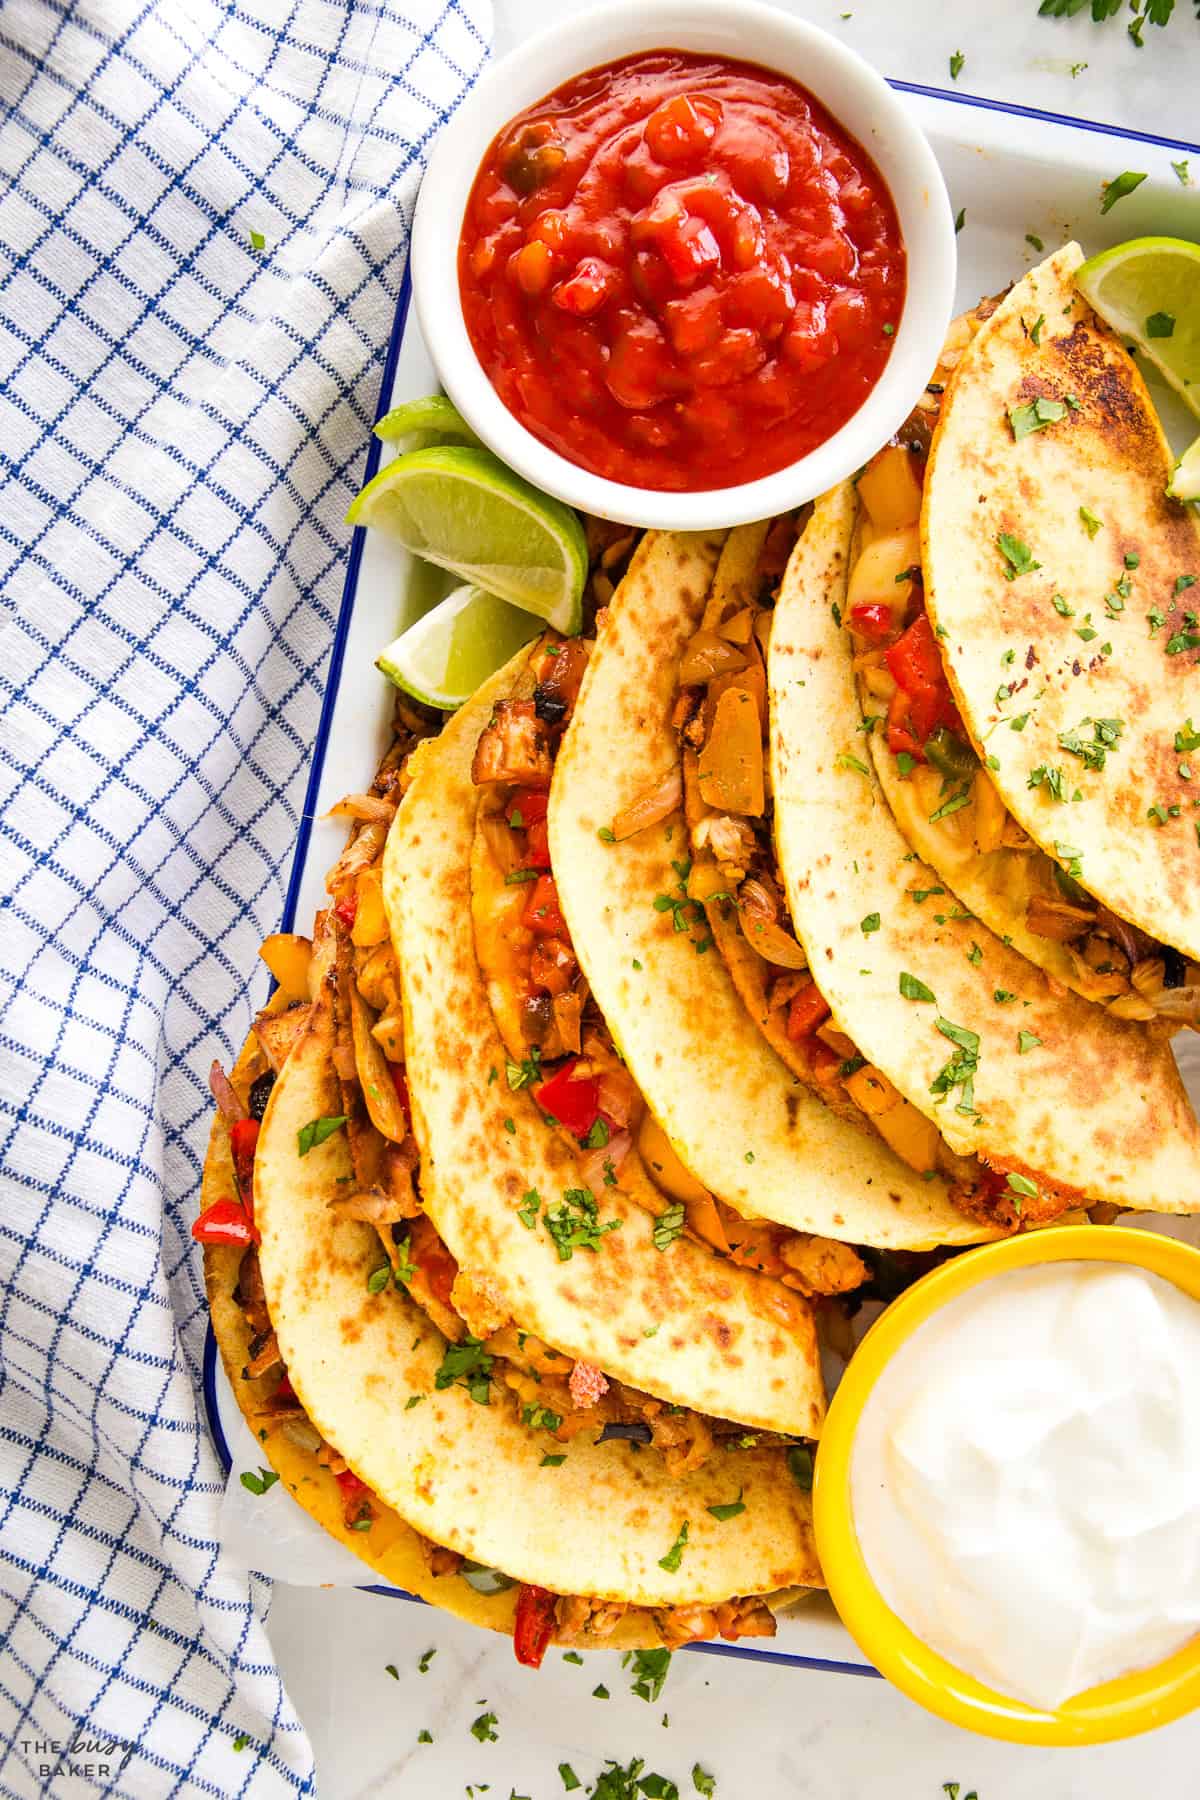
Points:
(366, 1359)
(1021, 599)
(1052, 1102)
(548, 1214)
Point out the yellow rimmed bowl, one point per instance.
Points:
(1114, 1709)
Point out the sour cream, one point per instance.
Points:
(1025, 1478)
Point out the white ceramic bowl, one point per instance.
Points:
(858, 98)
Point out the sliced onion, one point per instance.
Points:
(593, 1167)
(360, 853)
(618, 1095)
(652, 807)
(302, 1434)
(708, 655)
(228, 1104)
(760, 930)
(363, 806)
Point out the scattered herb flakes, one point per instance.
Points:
(392, 1670)
(575, 1223)
(669, 1225)
(703, 1782)
(1120, 186)
(1061, 607)
(1048, 777)
(844, 760)
(519, 877)
(1181, 172)
(889, 331)
(650, 1669)
(1091, 523)
(1017, 555)
(1156, 619)
(1035, 415)
(913, 989)
(975, 955)
(606, 834)
(1021, 1184)
(956, 65)
(992, 762)
(424, 1736)
(1184, 640)
(1187, 737)
(1035, 330)
(241, 1740)
(800, 1466)
(468, 1364)
(1026, 1040)
(869, 924)
(379, 1278)
(1093, 752)
(552, 1462)
(317, 1130)
(961, 1069)
(1002, 996)
(510, 1125)
(671, 1561)
(523, 1074)
(1032, 238)
(527, 1212)
(258, 241)
(730, 1509)
(483, 1728)
(1160, 325)
(1019, 722)
(570, 1779)
(258, 1484)
(1072, 857)
(958, 799)
(905, 762)
(1182, 582)
(600, 1692)
(573, 1656)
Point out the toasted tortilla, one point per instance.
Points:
(681, 1324)
(391, 1549)
(1107, 457)
(736, 1116)
(1063, 1093)
(470, 1476)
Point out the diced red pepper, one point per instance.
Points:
(356, 1498)
(346, 909)
(226, 1221)
(428, 1254)
(533, 1626)
(537, 845)
(914, 660)
(400, 1083)
(809, 1008)
(899, 726)
(527, 806)
(872, 622)
(542, 914)
(352, 1487)
(243, 1141)
(285, 1390)
(575, 1104)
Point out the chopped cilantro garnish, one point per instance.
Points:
(912, 989)
(317, 1130)
(570, 1779)
(600, 1692)
(960, 798)
(1119, 187)
(869, 924)
(1061, 607)
(1181, 172)
(1048, 777)
(730, 1509)
(1071, 856)
(800, 1465)
(1035, 416)
(413, 1400)
(1160, 325)
(1187, 737)
(241, 1740)
(1017, 555)
(392, 1670)
(1002, 996)
(1019, 723)
(510, 1125)
(523, 1074)
(1183, 640)
(540, 1418)
(961, 1069)
(552, 1462)
(1182, 582)
(1021, 1184)
(379, 1278)
(424, 1661)
(905, 762)
(470, 1366)
(573, 1656)
(424, 1736)
(257, 240)
(518, 877)
(258, 1484)
(1091, 523)
(1035, 333)
(669, 1225)
(575, 1224)
(671, 1561)
(975, 955)
(1106, 734)
(1026, 1040)
(844, 760)
(483, 1728)
(956, 65)
(597, 1137)
(531, 1205)
(606, 834)
(703, 1782)
(650, 1669)
(1031, 237)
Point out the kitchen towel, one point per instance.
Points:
(204, 217)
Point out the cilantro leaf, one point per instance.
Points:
(671, 1561)
(1119, 187)
(1017, 555)
(912, 989)
(316, 1132)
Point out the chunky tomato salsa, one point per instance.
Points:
(680, 272)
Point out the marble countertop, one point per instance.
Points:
(763, 1732)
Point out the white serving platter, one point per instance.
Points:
(1017, 174)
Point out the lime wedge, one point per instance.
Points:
(462, 509)
(1185, 476)
(450, 652)
(431, 420)
(1149, 291)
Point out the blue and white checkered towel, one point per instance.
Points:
(203, 225)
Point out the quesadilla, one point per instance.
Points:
(960, 1024)
(755, 1142)
(316, 1279)
(561, 1236)
(1028, 648)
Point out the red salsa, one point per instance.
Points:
(680, 272)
